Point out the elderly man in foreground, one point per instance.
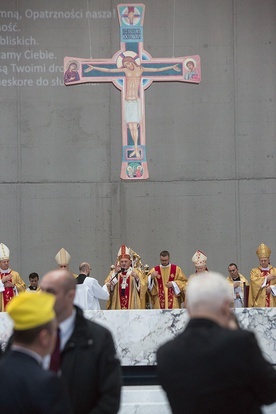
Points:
(210, 368)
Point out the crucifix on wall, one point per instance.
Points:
(132, 70)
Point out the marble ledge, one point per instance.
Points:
(153, 400)
(138, 333)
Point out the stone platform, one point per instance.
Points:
(138, 333)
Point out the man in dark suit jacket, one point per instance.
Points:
(210, 368)
(88, 365)
(24, 386)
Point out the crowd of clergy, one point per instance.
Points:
(133, 285)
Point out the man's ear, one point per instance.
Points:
(43, 337)
(71, 293)
(225, 313)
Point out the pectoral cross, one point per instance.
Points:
(132, 70)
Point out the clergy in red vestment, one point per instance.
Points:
(126, 283)
(10, 281)
(166, 284)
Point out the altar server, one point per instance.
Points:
(89, 291)
(238, 283)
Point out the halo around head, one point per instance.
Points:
(71, 62)
(127, 53)
(189, 60)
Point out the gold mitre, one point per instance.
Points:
(136, 260)
(263, 251)
(199, 258)
(4, 252)
(63, 257)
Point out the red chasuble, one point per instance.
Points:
(267, 296)
(161, 293)
(8, 293)
(124, 290)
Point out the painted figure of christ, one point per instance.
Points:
(132, 104)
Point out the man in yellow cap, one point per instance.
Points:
(262, 290)
(25, 387)
(10, 281)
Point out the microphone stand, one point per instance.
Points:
(123, 290)
(119, 271)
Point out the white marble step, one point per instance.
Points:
(144, 400)
(152, 400)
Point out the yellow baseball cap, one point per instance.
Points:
(31, 309)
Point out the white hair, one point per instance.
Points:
(209, 289)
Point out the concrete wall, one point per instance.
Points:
(210, 147)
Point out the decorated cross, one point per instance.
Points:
(132, 70)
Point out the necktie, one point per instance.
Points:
(55, 357)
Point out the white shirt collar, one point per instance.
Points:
(27, 351)
(5, 271)
(164, 267)
(66, 328)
